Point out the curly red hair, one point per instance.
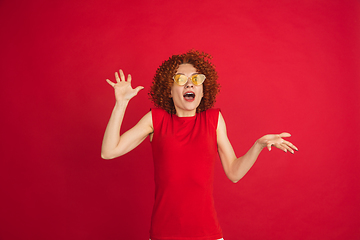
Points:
(160, 90)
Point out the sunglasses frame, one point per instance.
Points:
(191, 77)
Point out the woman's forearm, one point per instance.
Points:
(112, 133)
(242, 165)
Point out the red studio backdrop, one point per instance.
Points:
(283, 66)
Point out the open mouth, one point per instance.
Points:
(189, 96)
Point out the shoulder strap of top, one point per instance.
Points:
(213, 116)
(157, 116)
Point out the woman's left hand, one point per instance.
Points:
(277, 141)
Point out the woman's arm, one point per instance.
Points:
(114, 144)
(235, 168)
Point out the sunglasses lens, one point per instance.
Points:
(198, 79)
(180, 79)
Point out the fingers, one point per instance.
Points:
(286, 148)
(284, 134)
(122, 76)
(137, 89)
(279, 146)
(289, 144)
(283, 145)
(110, 82)
(119, 77)
(278, 141)
(286, 145)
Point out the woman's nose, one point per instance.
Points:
(189, 83)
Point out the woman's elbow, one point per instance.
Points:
(234, 178)
(107, 156)
(103, 156)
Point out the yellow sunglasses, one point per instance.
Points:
(196, 78)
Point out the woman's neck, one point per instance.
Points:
(185, 113)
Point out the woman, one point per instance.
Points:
(185, 134)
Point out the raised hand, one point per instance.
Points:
(278, 141)
(122, 87)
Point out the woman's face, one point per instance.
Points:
(187, 97)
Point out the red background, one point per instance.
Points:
(285, 66)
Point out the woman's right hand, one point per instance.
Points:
(122, 87)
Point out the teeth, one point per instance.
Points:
(189, 95)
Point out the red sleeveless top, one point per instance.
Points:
(184, 153)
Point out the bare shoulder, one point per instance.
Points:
(221, 123)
